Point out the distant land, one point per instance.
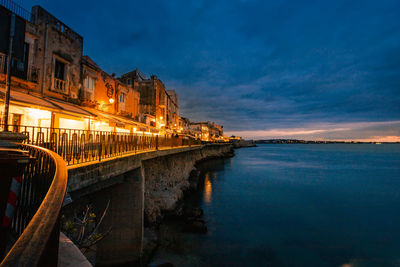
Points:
(296, 141)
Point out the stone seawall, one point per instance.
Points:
(139, 188)
(243, 143)
(166, 178)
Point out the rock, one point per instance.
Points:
(168, 177)
(194, 179)
(196, 226)
(150, 242)
(192, 212)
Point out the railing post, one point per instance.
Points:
(156, 142)
(99, 146)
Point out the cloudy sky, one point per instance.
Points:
(263, 69)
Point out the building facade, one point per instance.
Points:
(172, 110)
(54, 85)
(152, 104)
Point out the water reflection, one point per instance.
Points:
(207, 187)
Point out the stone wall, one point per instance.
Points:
(167, 177)
(140, 187)
(56, 41)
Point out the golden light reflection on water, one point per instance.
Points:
(207, 188)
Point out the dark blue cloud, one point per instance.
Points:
(253, 65)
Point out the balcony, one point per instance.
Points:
(60, 85)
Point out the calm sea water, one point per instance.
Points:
(295, 205)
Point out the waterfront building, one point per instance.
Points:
(45, 70)
(54, 86)
(105, 93)
(207, 131)
(195, 129)
(184, 126)
(172, 110)
(152, 97)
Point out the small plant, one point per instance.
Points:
(83, 229)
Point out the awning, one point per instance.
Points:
(69, 107)
(27, 99)
(122, 120)
(30, 100)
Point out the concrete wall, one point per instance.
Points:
(139, 187)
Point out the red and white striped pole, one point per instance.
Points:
(12, 200)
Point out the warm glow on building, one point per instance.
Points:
(122, 130)
(101, 126)
(72, 124)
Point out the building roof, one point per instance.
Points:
(88, 61)
(137, 74)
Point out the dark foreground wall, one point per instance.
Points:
(139, 187)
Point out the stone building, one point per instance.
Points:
(98, 89)
(172, 110)
(128, 100)
(58, 54)
(195, 130)
(184, 126)
(106, 93)
(45, 72)
(207, 131)
(53, 85)
(152, 97)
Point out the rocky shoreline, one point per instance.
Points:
(188, 216)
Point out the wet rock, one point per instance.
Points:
(192, 212)
(150, 242)
(194, 179)
(196, 226)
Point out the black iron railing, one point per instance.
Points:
(79, 146)
(17, 9)
(35, 223)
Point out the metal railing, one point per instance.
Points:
(79, 146)
(35, 223)
(17, 9)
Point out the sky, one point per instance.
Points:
(326, 70)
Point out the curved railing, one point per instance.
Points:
(36, 219)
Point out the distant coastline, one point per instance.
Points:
(296, 141)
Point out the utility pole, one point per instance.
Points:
(8, 79)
